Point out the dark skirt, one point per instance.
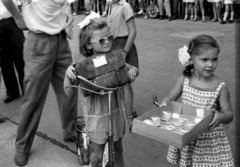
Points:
(132, 57)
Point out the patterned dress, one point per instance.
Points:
(95, 112)
(210, 149)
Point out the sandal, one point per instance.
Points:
(195, 19)
(191, 18)
(203, 20)
(214, 20)
(185, 18)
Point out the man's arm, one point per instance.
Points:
(15, 13)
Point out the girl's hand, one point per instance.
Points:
(71, 72)
(165, 101)
(217, 119)
(133, 73)
(130, 121)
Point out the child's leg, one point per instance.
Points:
(96, 156)
(232, 12)
(202, 10)
(98, 6)
(191, 9)
(214, 12)
(118, 156)
(128, 91)
(186, 11)
(226, 12)
(195, 9)
(218, 11)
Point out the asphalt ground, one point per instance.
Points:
(157, 44)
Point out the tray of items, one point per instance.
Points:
(176, 124)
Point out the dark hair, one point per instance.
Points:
(86, 34)
(197, 46)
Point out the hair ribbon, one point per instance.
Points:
(88, 19)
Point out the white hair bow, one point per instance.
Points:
(87, 20)
(71, 1)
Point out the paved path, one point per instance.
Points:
(157, 43)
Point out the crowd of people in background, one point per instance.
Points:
(222, 11)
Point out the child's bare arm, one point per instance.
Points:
(132, 34)
(70, 18)
(175, 92)
(226, 116)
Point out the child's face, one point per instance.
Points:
(205, 63)
(101, 41)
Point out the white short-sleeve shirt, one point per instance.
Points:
(45, 16)
(121, 12)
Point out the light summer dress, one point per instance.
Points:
(210, 149)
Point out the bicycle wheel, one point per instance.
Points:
(153, 11)
(105, 157)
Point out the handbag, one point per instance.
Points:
(106, 70)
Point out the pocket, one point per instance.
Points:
(37, 48)
(29, 49)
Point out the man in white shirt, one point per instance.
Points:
(47, 56)
(11, 53)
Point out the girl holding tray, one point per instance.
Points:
(201, 88)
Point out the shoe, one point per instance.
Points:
(140, 12)
(10, 98)
(169, 18)
(69, 137)
(214, 20)
(2, 119)
(222, 22)
(146, 16)
(185, 18)
(104, 14)
(174, 17)
(195, 19)
(88, 12)
(161, 17)
(74, 14)
(203, 20)
(191, 18)
(230, 22)
(21, 159)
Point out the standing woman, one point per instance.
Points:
(196, 6)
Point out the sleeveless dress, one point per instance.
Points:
(210, 149)
(95, 112)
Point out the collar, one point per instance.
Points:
(121, 2)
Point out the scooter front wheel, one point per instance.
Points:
(105, 157)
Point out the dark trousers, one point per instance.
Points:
(177, 8)
(11, 54)
(47, 58)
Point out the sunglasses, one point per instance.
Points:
(102, 41)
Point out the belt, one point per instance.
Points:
(6, 19)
